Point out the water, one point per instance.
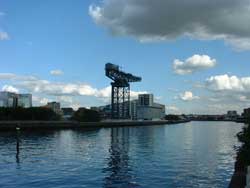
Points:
(195, 154)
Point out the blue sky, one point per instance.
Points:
(67, 36)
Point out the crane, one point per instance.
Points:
(120, 90)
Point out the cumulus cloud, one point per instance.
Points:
(4, 36)
(228, 91)
(67, 93)
(193, 64)
(10, 88)
(188, 96)
(171, 109)
(228, 83)
(56, 72)
(149, 20)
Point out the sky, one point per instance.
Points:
(192, 55)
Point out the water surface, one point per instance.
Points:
(195, 154)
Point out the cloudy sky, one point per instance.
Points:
(192, 55)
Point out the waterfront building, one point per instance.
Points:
(133, 109)
(231, 115)
(13, 100)
(67, 113)
(143, 108)
(55, 106)
(147, 109)
(146, 99)
(246, 113)
(24, 100)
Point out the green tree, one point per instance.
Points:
(86, 115)
(33, 113)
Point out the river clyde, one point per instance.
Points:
(193, 154)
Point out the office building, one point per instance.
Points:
(13, 100)
(55, 106)
(147, 109)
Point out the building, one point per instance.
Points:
(133, 109)
(13, 100)
(67, 113)
(24, 100)
(246, 113)
(55, 106)
(142, 108)
(231, 115)
(145, 99)
(147, 109)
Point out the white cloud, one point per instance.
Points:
(188, 96)
(171, 109)
(193, 64)
(4, 36)
(56, 72)
(149, 20)
(10, 88)
(64, 92)
(228, 83)
(40, 100)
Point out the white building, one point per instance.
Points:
(12, 100)
(148, 110)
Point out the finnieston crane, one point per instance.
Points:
(120, 92)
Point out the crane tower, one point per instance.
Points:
(120, 90)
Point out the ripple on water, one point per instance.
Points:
(196, 154)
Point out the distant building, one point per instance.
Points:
(133, 109)
(231, 115)
(55, 106)
(143, 108)
(246, 113)
(13, 100)
(148, 110)
(24, 100)
(67, 112)
(145, 100)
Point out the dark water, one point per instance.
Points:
(196, 154)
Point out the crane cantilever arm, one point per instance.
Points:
(113, 72)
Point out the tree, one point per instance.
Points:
(33, 113)
(172, 117)
(86, 115)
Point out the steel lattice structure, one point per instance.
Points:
(120, 91)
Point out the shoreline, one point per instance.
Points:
(239, 177)
(38, 125)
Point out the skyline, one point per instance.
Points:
(57, 51)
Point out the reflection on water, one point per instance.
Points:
(118, 170)
(195, 154)
(17, 146)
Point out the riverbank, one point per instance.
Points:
(34, 125)
(238, 179)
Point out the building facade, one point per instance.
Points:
(148, 110)
(55, 106)
(13, 100)
(142, 108)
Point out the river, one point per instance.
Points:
(194, 154)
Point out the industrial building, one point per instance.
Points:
(143, 108)
(147, 109)
(13, 100)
